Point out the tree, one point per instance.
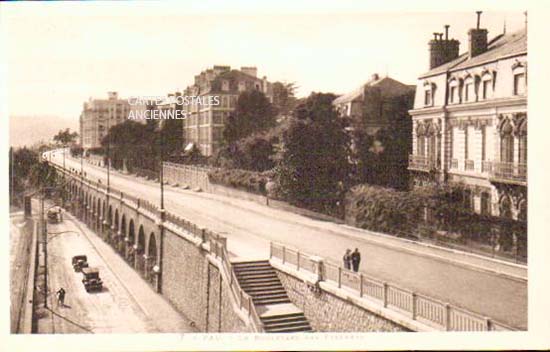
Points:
(65, 137)
(253, 113)
(132, 143)
(284, 99)
(382, 158)
(21, 162)
(314, 167)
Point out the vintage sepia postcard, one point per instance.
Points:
(279, 176)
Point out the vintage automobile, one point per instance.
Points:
(91, 279)
(79, 262)
(54, 215)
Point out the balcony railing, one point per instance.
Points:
(486, 166)
(513, 172)
(424, 163)
(469, 165)
(454, 164)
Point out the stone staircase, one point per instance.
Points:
(290, 322)
(260, 281)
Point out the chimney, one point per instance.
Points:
(477, 39)
(375, 77)
(250, 70)
(442, 50)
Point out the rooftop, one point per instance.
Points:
(504, 45)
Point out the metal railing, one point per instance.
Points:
(419, 162)
(216, 244)
(469, 165)
(427, 310)
(509, 171)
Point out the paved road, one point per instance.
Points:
(250, 226)
(119, 308)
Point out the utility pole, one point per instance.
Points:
(162, 210)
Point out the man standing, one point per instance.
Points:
(355, 259)
(347, 259)
(61, 297)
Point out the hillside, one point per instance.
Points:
(28, 130)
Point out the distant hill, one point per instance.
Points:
(28, 130)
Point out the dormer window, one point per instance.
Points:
(520, 82)
(469, 93)
(242, 86)
(454, 97)
(225, 85)
(429, 93)
(487, 85)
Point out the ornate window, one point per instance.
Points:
(505, 207)
(469, 91)
(520, 81)
(420, 140)
(506, 143)
(225, 85)
(522, 143)
(454, 96)
(522, 210)
(429, 93)
(485, 203)
(486, 85)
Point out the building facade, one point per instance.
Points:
(367, 102)
(204, 123)
(98, 115)
(470, 121)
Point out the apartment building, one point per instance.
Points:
(470, 120)
(203, 126)
(98, 115)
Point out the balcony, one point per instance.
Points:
(508, 173)
(469, 165)
(422, 163)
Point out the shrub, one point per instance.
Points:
(250, 181)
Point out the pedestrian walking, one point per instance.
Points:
(347, 259)
(61, 297)
(356, 259)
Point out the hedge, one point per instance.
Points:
(246, 180)
(435, 213)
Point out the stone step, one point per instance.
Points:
(250, 264)
(273, 288)
(280, 294)
(291, 324)
(282, 317)
(289, 329)
(265, 301)
(255, 272)
(257, 277)
(261, 283)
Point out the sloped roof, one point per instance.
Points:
(358, 92)
(500, 47)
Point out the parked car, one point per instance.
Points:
(79, 262)
(91, 279)
(54, 215)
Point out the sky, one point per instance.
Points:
(58, 55)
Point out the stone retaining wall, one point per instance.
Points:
(328, 312)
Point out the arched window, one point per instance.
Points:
(522, 210)
(505, 207)
(520, 78)
(506, 143)
(469, 90)
(522, 143)
(486, 85)
(454, 97)
(429, 93)
(420, 140)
